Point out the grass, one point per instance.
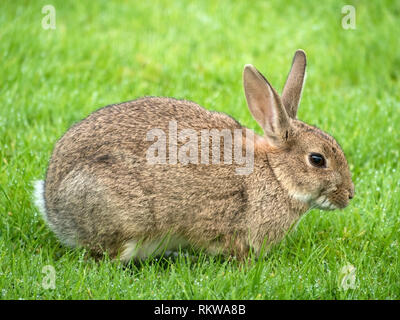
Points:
(104, 52)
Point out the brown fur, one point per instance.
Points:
(101, 193)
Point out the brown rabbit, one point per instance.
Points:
(104, 191)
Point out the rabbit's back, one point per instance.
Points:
(115, 130)
(101, 191)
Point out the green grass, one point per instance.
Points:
(104, 52)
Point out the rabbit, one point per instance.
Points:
(101, 191)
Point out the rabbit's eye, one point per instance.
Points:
(317, 160)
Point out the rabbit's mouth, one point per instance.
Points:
(324, 203)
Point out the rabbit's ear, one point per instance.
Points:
(265, 105)
(294, 84)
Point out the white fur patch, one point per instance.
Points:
(306, 198)
(323, 203)
(38, 197)
(138, 250)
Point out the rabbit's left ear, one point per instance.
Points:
(291, 94)
(266, 106)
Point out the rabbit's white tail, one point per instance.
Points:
(38, 197)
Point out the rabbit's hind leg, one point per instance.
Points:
(77, 210)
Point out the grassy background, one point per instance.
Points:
(104, 52)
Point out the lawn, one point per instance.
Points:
(104, 52)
